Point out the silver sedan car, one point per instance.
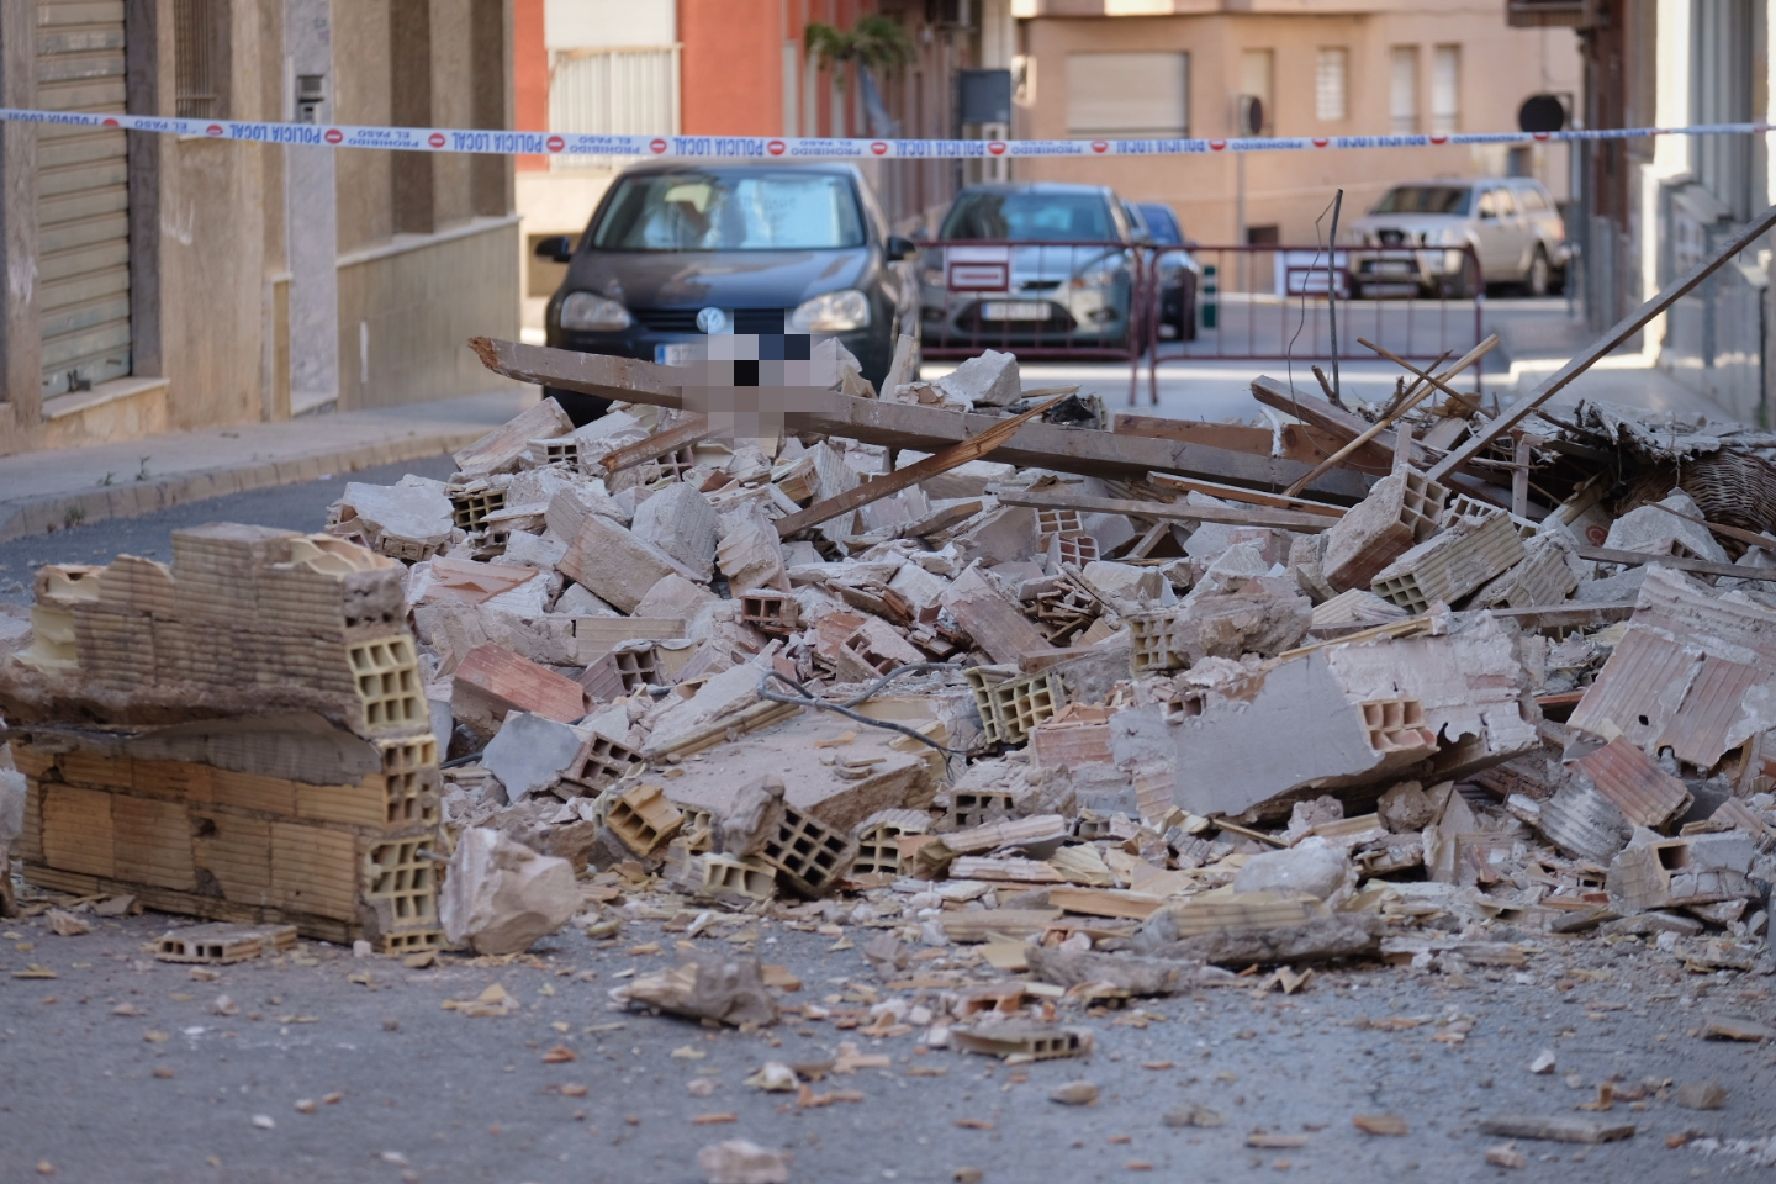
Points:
(1033, 267)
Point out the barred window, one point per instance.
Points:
(1331, 69)
(199, 58)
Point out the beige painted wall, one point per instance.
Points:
(361, 47)
(1499, 67)
(407, 310)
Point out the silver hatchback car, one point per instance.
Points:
(1032, 266)
(1511, 223)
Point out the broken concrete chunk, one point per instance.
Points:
(504, 446)
(531, 753)
(615, 564)
(681, 522)
(727, 988)
(988, 380)
(1673, 526)
(749, 553)
(410, 520)
(1401, 511)
(1655, 873)
(501, 897)
(1315, 868)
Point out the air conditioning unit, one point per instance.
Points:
(951, 14)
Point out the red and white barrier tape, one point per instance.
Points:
(436, 139)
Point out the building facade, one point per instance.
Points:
(736, 68)
(161, 283)
(1650, 208)
(1137, 68)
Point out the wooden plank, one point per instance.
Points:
(1172, 511)
(1613, 338)
(1699, 566)
(1105, 902)
(1419, 394)
(691, 431)
(1290, 441)
(877, 488)
(904, 425)
(1234, 493)
(1318, 413)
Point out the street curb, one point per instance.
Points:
(38, 516)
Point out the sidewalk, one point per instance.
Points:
(45, 491)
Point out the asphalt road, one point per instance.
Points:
(123, 1070)
(296, 507)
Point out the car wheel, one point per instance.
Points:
(1539, 279)
(582, 409)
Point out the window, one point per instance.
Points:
(1257, 69)
(1424, 199)
(1331, 68)
(1134, 94)
(724, 211)
(1403, 89)
(1533, 199)
(1445, 89)
(200, 58)
(1032, 217)
(627, 91)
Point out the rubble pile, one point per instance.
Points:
(1123, 734)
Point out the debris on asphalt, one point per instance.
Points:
(500, 897)
(1072, 718)
(738, 1161)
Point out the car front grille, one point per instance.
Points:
(684, 320)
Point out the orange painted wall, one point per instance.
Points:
(530, 73)
(730, 71)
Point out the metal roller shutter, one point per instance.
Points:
(82, 197)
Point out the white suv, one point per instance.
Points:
(1510, 222)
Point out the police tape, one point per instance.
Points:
(515, 143)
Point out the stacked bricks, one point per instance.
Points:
(771, 613)
(1450, 565)
(878, 840)
(1156, 641)
(808, 855)
(1546, 576)
(245, 616)
(1010, 708)
(1401, 511)
(471, 503)
(1397, 725)
(1462, 506)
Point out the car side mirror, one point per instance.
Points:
(898, 248)
(557, 247)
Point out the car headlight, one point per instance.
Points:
(1101, 274)
(831, 312)
(591, 313)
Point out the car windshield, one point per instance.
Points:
(1162, 227)
(1425, 199)
(1030, 217)
(714, 211)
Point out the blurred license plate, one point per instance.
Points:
(681, 353)
(1015, 310)
(1394, 267)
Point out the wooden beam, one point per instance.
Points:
(877, 488)
(1702, 567)
(1234, 493)
(1343, 426)
(1418, 394)
(682, 435)
(1627, 327)
(903, 425)
(1171, 511)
